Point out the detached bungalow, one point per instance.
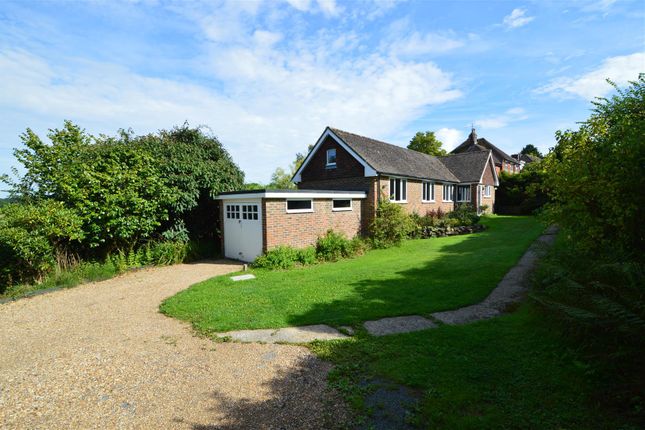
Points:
(340, 184)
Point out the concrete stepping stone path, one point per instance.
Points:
(302, 334)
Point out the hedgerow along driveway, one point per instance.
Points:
(418, 278)
(102, 356)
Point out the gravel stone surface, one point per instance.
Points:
(395, 325)
(102, 356)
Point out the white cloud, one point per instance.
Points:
(451, 137)
(502, 120)
(517, 18)
(619, 69)
(327, 7)
(419, 44)
(301, 5)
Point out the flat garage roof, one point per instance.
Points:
(291, 194)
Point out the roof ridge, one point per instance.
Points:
(381, 141)
(464, 153)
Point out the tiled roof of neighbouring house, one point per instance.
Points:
(472, 144)
(394, 160)
(527, 158)
(467, 167)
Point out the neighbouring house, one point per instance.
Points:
(503, 161)
(340, 184)
(525, 159)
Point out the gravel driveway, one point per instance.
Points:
(101, 356)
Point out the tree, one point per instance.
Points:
(427, 143)
(281, 179)
(595, 175)
(531, 149)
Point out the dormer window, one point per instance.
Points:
(331, 157)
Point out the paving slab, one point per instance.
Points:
(302, 334)
(394, 325)
(242, 277)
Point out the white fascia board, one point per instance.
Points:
(297, 195)
(492, 166)
(369, 170)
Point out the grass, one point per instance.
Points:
(515, 371)
(420, 277)
(82, 273)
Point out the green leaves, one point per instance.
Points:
(427, 143)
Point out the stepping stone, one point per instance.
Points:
(242, 277)
(396, 325)
(302, 334)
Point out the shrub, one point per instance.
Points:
(334, 246)
(390, 226)
(464, 214)
(281, 257)
(307, 256)
(34, 240)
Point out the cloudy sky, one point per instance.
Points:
(267, 76)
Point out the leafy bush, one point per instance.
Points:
(307, 256)
(280, 257)
(33, 239)
(595, 176)
(464, 214)
(390, 226)
(521, 193)
(334, 246)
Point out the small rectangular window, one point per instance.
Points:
(448, 193)
(428, 192)
(298, 206)
(341, 205)
(463, 193)
(331, 157)
(487, 191)
(398, 190)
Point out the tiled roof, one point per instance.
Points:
(467, 167)
(482, 144)
(390, 159)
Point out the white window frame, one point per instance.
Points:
(487, 192)
(403, 189)
(451, 187)
(467, 190)
(430, 185)
(331, 163)
(351, 205)
(298, 211)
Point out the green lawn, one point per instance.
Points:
(420, 277)
(513, 372)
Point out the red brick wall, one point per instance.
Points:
(415, 194)
(302, 229)
(359, 183)
(346, 165)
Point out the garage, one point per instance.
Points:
(256, 221)
(243, 227)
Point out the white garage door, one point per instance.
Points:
(242, 230)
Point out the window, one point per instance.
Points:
(331, 157)
(299, 206)
(448, 192)
(398, 190)
(233, 211)
(463, 193)
(486, 190)
(428, 192)
(249, 212)
(341, 205)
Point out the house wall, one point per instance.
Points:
(303, 229)
(488, 179)
(346, 165)
(415, 195)
(357, 183)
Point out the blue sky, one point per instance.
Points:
(268, 76)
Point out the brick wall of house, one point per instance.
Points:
(358, 183)
(302, 229)
(414, 202)
(346, 165)
(489, 179)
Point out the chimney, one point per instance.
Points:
(472, 138)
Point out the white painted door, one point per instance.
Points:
(242, 229)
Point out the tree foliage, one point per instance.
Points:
(521, 193)
(595, 174)
(531, 149)
(427, 143)
(281, 178)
